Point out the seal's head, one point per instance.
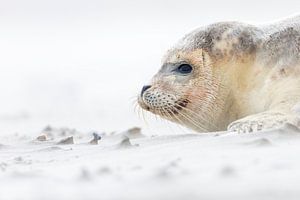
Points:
(188, 89)
(184, 90)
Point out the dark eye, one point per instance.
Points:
(184, 69)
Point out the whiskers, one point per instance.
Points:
(161, 116)
(181, 113)
(196, 119)
(176, 112)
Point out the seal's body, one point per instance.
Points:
(230, 75)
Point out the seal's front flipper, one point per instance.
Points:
(262, 121)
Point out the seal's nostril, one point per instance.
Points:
(146, 87)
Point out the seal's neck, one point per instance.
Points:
(240, 80)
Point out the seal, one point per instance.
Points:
(230, 75)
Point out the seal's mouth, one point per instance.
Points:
(168, 110)
(178, 107)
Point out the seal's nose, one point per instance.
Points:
(146, 87)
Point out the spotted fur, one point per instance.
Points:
(244, 76)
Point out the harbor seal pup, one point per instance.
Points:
(230, 75)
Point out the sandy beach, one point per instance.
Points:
(195, 166)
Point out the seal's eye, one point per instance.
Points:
(184, 69)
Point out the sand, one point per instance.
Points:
(131, 165)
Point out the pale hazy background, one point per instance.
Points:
(80, 63)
